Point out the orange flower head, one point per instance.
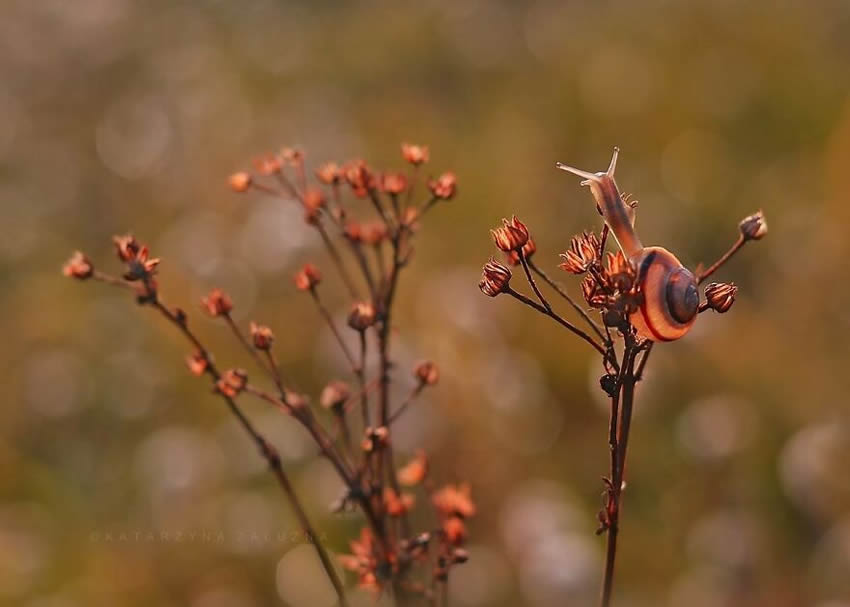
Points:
(262, 336)
(427, 372)
(454, 500)
(78, 266)
(511, 236)
(307, 278)
(329, 173)
(414, 154)
(217, 303)
(415, 471)
(495, 278)
(240, 182)
(444, 187)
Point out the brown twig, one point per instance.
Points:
(266, 450)
(563, 293)
(407, 401)
(329, 319)
(565, 323)
(723, 259)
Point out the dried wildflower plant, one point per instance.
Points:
(633, 297)
(353, 424)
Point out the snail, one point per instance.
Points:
(670, 296)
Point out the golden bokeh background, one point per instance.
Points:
(125, 483)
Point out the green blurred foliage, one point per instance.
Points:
(118, 115)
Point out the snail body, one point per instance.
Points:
(670, 299)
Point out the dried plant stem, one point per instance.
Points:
(410, 398)
(554, 316)
(622, 403)
(305, 416)
(337, 259)
(723, 259)
(364, 266)
(532, 282)
(563, 293)
(275, 369)
(329, 319)
(361, 377)
(266, 450)
(268, 369)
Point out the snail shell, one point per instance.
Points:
(670, 296)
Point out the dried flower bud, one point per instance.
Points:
(495, 278)
(410, 216)
(444, 187)
(359, 177)
(329, 173)
(394, 183)
(593, 293)
(753, 227)
(454, 500)
(415, 471)
(459, 556)
(583, 252)
(454, 530)
(240, 182)
(127, 247)
(427, 373)
(362, 316)
(78, 266)
(295, 399)
(197, 363)
(511, 236)
(292, 156)
(375, 438)
(620, 272)
(373, 233)
(314, 200)
(217, 303)
(528, 250)
(268, 165)
(334, 395)
(720, 296)
(414, 154)
(232, 382)
(307, 277)
(396, 504)
(141, 267)
(353, 231)
(262, 336)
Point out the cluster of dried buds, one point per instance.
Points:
(368, 255)
(633, 296)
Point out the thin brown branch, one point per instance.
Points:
(524, 262)
(619, 442)
(329, 319)
(337, 259)
(275, 370)
(361, 378)
(265, 365)
(407, 401)
(268, 452)
(723, 259)
(305, 416)
(563, 293)
(554, 316)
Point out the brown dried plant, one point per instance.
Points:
(632, 292)
(353, 425)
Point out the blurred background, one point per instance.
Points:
(125, 482)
